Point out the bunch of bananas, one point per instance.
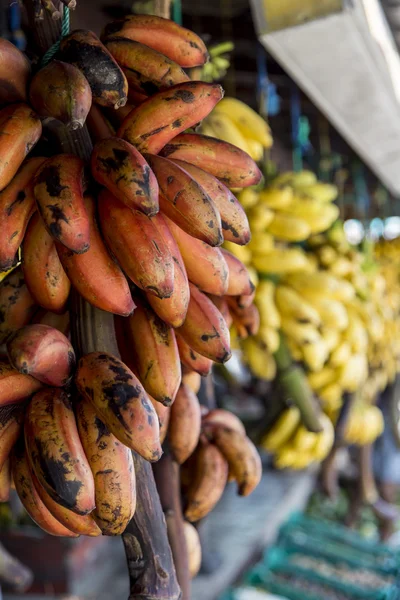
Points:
(292, 445)
(135, 232)
(235, 122)
(364, 424)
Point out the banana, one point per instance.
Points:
(58, 321)
(260, 216)
(15, 387)
(208, 483)
(193, 545)
(301, 333)
(185, 202)
(243, 253)
(95, 274)
(15, 71)
(239, 282)
(117, 116)
(16, 304)
(281, 261)
(166, 114)
(113, 471)
(277, 197)
(164, 414)
(192, 359)
(321, 220)
(55, 452)
(98, 125)
(261, 243)
(235, 226)
(146, 70)
(42, 269)
(246, 120)
(205, 266)
(241, 455)
(29, 497)
(270, 337)
(44, 353)
(138, 246)
(58, 189)
(79, 524)
(20, 130)
(331, 395)
(172, 310)
(292, 305)
(247, 318)
(154, 352)
(232, 166)
(303, 440)
(204, 329)
(354, 372)
(340, 355)
(62, 92)
(325, 439)
(288, 228)
(192, 380)
(265, 301)
(321, 284)
(282, 430)
(219, 417)
(84, 50)
(248, 197)
(179, 44)
(259, 359)
(5, 481)
(136, 99)
(120, 401)
(316, 354)
(322, 378)
(17, 204)
(225, 129)
(221, 302)
(184, 424)
(323, 192)
(11, 421)
(118, 166)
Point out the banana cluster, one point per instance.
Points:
(364, 425)
(292, 445)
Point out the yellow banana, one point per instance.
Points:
(289, 228)
(292, 304)
(225, 129)
(261, 243)
(281, 261)
(248, 197)
(260, 360)
(277, 197)
(246, 120)
(270, 337)
(260, 216)
(282, 430)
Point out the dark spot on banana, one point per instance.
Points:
(229, 227)
(51, 177)
(145, 136)
(185, 95)
(177, 123)
(144, 182)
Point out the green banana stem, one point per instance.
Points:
(221, 48)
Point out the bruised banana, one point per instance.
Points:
(205, 266)
(83, 49)
(95, 274)
(17, 305)
(62, 92)
(172, 310)
(154, 352)
(146, 70)
(242, 457)
(15, 71)
(55, 451)
(43, 352)
(184, 425)
(30, 498)
(118, 166)
(11, 421)
(239, 282)
(121, 402)
(20, 129)
(208, 483)
(192, 359)
(179, 44)
(166, 114)
(235, 226)
(17, 204)
(138, 246)
(226, 162)
(15, 387)
(58, 189)
(43, 271)
(185, 202)
(113, 471)
(204, 329)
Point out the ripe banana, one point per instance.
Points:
(259, 358)
(172, 310)
(239, 282)
(265, 301)
(154, 353)
(184, 425)
(193, 547)
(179, 44)
(232, 166)
(260, 216)
(192, 359)
(62, 92)
(95, 274)
(208, 483)
(113, 471)
(246, 319)
(15, 71)
(282, 430)
(121, 402)
(205, 266)
(192, 380)
(221, 302)
(204, 329)
(246, 120)
(164, 414)
(43, 271)
(292, 305)
(20, 129)
(166, 114)
(118, 166)
(225, 129)
(15, 387)
(289, 228)
(281, 261)
(55, 451)
(185, 202)
(219, 417)
(138, 245)
(270, 337)
(17, 204)
(146, 70)
(58, 190)
(16, 304)
(261, 243)
(11, 421)
(84, 50)
(43, 352)
(5, 481)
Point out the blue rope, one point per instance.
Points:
(266, 90)
(52, 51)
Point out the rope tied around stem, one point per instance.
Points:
(52, 51)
